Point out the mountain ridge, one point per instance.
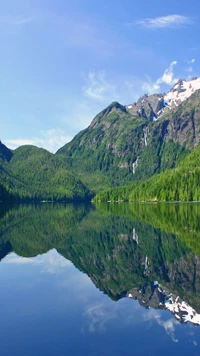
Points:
(124, 144)
(129, 143)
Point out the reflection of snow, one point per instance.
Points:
(182, 311)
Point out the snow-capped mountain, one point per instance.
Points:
(153, 106)
(181, 91)
(134, 142)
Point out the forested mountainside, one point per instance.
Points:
(126, 144)
(34, 174)
(179, 184)
(123, 145)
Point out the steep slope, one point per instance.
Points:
(180, 184)
(127, 144)
(35, 174)
(103, 153)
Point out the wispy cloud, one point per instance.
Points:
(97, 86)
(16, 20)
(98, 315)
(51, 140)
(169, 21)
(189, 69)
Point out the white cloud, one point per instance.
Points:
(169, 21)
(191, 61)
(51, 140)
(101, 90)
(16, 20)
(97, 86)
(167, 78)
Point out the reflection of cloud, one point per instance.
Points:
(98, 315)
(12, 258)
(51, 261)
(168, 325)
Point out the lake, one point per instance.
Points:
(110, 279)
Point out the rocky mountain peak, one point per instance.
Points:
(148, 106)
(151, 107)
(114, 107)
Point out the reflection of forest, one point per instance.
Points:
(121, 247)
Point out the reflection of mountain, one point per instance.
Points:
(34, 229)
(155, 296)
(122, 248)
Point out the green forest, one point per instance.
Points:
(33, 174)
(178, 184)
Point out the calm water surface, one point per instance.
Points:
(106, 280)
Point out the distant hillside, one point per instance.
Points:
(35, 174)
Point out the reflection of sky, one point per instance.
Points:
(48, 307)
(51, 262)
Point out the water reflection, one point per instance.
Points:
(145, 252)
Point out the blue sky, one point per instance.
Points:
(61, 62)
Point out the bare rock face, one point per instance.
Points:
(148, 106)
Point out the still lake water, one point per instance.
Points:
(115, 279)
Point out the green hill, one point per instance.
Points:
(35, 174)
(179, 184)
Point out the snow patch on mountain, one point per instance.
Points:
(181, 91)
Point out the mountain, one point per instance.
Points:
(126, 250)
(180, 184)
(124, 144)
(32, 173)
